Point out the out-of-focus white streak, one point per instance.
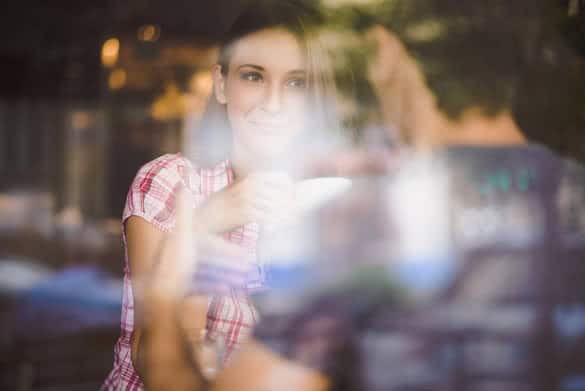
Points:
(419, 204)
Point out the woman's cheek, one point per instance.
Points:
(297, 113)
(243, 97)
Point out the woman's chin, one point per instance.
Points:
(267, 159)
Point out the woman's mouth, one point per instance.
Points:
(267, 126)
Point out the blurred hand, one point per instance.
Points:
(260, 197)
(384, 67)
(406, 102)
(182, 252)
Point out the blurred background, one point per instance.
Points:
(89, 92)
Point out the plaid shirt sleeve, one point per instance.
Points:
(152, 195)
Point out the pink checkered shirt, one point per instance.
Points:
(152, 197)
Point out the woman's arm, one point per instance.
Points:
(258, 368)
(166, 352)
(144, 243)
(167, 361)
(143, 240)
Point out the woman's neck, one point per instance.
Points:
(244, 166)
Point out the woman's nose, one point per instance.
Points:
(273, 99)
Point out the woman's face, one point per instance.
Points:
(265, 92)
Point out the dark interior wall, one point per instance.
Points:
(52, 48)
(50, 68)
(550, 106)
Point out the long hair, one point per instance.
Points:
(211, 142)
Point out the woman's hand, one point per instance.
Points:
(260, 197)
(171, 336)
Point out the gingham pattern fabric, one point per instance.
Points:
(152, 197)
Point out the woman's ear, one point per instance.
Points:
(219, 84)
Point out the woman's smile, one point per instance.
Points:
(265, 93)
(268, 125)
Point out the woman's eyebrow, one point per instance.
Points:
(300, 72)
(257, 67)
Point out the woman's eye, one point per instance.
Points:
(296, 83)
(251, 76)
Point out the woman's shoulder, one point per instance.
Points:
(178, 163)
(168, 162)
(153, 192)
(170, 169)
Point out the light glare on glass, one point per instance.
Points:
(110, 52)
(117, 79)
(149, 33)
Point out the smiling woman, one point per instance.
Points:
(270, 59)
(273, 88)
(264, 91)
